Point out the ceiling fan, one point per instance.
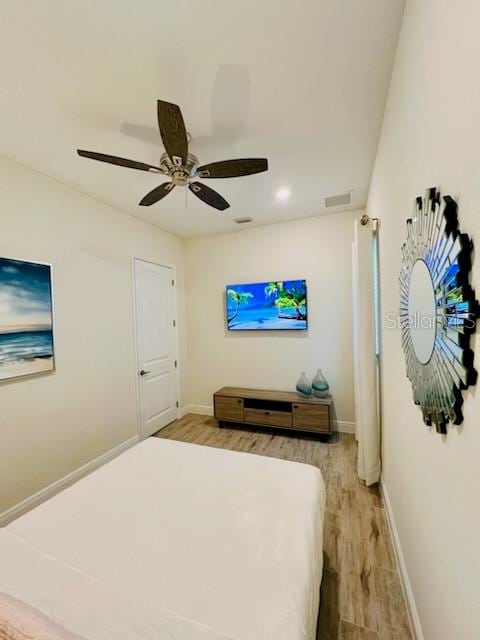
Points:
(180, 165)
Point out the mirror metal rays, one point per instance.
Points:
(438, 309)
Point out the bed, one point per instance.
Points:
(175, 541)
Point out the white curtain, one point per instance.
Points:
(367, 422)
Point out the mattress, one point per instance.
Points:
(173, 538)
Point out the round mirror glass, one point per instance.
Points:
(422, 311)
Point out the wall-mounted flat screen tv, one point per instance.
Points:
(263, 306)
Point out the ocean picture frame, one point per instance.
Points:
(26, 319)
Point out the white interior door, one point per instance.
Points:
(156, 345)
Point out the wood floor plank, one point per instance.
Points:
(393, 619)
(353, 632)
(329, 618)
(379, 538)
(357, 600)
(361, 597)
(332, 540)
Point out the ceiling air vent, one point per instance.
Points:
(340, 199)
(243, 220)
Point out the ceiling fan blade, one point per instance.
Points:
(208, 195)
(233, 168)
(121, 162)
(157, 194)
(173, 132)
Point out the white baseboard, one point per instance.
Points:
(200, 409)
(57, 486)
(402, 567)
(342, 426)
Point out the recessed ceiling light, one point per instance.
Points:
(283, 194)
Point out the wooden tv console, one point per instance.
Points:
(279, 409)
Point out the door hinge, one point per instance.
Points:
(176, 364)
(177, 404)
(174, 323)
(173, 283)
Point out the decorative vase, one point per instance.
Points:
(304, 388)
(320, 385)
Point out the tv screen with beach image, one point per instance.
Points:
(262, 306)
(26, 319)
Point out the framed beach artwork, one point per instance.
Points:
(26, 319)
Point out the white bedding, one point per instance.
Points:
(175, 541)
(84, 605)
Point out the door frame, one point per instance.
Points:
(176, 341)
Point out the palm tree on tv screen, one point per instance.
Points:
(238, 298)
(291, 298)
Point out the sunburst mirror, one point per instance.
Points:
(438, 309)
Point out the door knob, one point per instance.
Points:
(143, 372)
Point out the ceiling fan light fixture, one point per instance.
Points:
(180, 165)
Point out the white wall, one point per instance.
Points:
(431, 137)
(317, 249)
(53, 424)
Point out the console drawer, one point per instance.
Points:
(267, 417)
(229, 408)
(314, 417)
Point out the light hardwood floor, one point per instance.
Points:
(361, 596)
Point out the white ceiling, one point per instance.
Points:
(301, 83)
